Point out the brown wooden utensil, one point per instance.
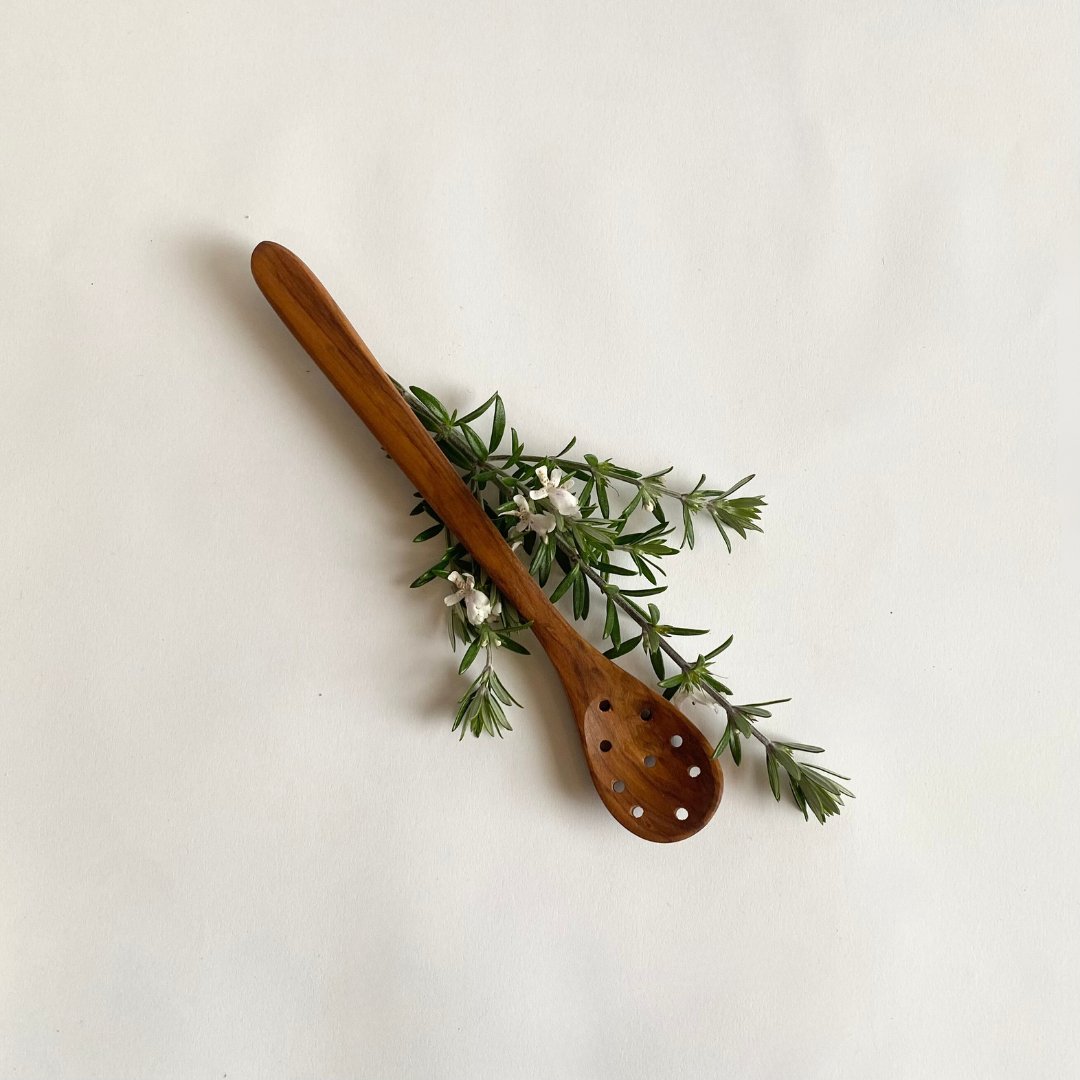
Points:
(653, 769)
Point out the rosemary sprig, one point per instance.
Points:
(481, 708)
(582, 535)
(651, 492)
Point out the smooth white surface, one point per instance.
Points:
(836, 246)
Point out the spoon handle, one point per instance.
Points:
(308, 310)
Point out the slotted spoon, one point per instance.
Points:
(652, 768)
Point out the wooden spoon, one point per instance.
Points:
(653, 769)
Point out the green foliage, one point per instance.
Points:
(595, 553)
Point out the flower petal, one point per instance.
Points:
(565, 502)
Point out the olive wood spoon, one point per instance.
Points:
(652, 768)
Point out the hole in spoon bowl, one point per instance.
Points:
(694, 771)
(605, 705)
(676, 741)
(618, 787)
(650, 761)
(605, 746)
(637, 811)
(682, 813)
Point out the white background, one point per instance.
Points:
(836, 245)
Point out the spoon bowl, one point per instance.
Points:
(651, 766)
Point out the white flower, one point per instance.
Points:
(496, 611)
(528, 519)
(560, 496)
(477, 605)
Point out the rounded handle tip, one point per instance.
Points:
(265, 253)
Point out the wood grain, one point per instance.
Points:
(651, 766)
